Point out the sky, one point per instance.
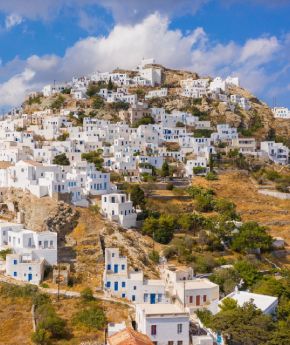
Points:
(46, 40)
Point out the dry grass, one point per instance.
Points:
(252, 206)
(15, 321)
(66, 308)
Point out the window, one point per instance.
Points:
(133, 298)
(14, 262)
(159, 298)
(108, 284)
(123, 295)
(14, 274)
(179, 328)
(123, 284)
(190, 299)
(204, 298)
(108, 267)
(134, 287)
(123, 267)
(145, 297)
(170, 342)
(197, 300)
(153, 330)
(180, 342)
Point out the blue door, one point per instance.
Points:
(116, 286)
(116, 269)
(29, 277)
(152, 298)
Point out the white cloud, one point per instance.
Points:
(127, 44)
(12, 20)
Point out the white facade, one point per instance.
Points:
(31, 251)
(120, 282)
(117, 208)
(157, 93)
(281, 113)
(163, 323)
(267, 304)
(277, 152)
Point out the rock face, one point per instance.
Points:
(41, 214)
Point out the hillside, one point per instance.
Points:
(256, 122)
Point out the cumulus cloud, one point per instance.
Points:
(127, 44)
(12, 20)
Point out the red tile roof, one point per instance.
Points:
(129, 337)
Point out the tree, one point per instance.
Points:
(165, 169)
(247, 272)
(245, 325)
(269, 286)
(204, 203)
(137, 197)
(228, 304)
(227, 279)
(146, 120)
(98, 102)
(61, 159)
(94, 157)
(250, 237)
(110, 84)
(161, 230)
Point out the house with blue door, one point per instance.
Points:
(120, 282)
(25, 267)
(31, 251)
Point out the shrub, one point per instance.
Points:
(87, 294)
(161, 230)
(211, 176)
(92, 317)
(154, 256)
(199, 170)
(170, 186)
(204, 203)
(61, 159)
(146, 120)
(4, 253)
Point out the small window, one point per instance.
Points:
(153, 330)
(108, 284)
(123, 284)
(14, 262)
(179, 328)
(14, 274)
(123, 267)
(134, 287)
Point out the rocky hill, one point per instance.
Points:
(258, 122)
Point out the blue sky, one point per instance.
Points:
(43, 40)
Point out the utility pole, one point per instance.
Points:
(58, 281)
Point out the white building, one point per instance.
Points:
(267, 304)
(163, 323)
(120, 282)
(157, 93)
(277, 152)
(31, 251)
(117, 208)
(224, 133)
(241, 102)
(189, 292)
(52, 89)
(245, 146)
(281, 113)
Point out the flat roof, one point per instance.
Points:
(158, 309)
(197, 284)
(262, 302)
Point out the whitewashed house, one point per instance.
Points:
(120, 282)
(31, 251)
(281, 113)
(267, 304)
(224, 133)
(189, 292)
(276, 152)
(116, 207)
(157, 93)
(163, 323)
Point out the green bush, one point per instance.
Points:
(154, 256)
(211, 176)
(92, 317)
(87, 294)
(61, 159)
